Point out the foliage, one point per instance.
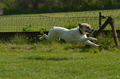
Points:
(45, 6)
(111, 4)
(26, 28)
(9, 11)
(42, 31)
(92, 5)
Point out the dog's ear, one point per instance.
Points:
(80, 25)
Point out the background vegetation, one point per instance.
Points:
(45, 6)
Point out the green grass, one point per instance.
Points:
(23, 58)
(46, 20)
(53, 61)
(45, 60)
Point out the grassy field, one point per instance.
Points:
(37, 21)
(23, 58)
(57, 61)
(44, 60)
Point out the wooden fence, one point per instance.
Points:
(7, 35)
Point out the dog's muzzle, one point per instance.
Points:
(90, 30)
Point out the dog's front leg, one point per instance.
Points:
(93, 44)
(88, 38)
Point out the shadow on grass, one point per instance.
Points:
(57, 59)
(52, 59)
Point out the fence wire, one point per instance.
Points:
(14, 23)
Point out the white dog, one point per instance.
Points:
(73, 36)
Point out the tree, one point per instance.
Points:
(91, 4)
(110, 4)
(35, 4)
(9, 3)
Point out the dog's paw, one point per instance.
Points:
(100, 46)
(93, 39)
(40, 38)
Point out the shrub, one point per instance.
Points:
(91, 5)
(26, 28)
(110, 4)
(57, 6)
(8, 11)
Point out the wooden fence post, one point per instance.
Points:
(110, 21)
(101, 28)
(114, 31)
(100, 14)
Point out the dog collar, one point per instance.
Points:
(80, 31)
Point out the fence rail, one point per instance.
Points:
(35, 34)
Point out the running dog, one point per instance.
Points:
(73, 36)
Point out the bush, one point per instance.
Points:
(91, 5)
(26, 28)
(110, 4)
(60, 6)
(9, 11)
(44, 9)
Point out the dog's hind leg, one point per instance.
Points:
(48, 37)
(44, 36)
(51, 35)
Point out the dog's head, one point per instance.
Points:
(85, 28)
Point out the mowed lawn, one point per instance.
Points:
(58, 61)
